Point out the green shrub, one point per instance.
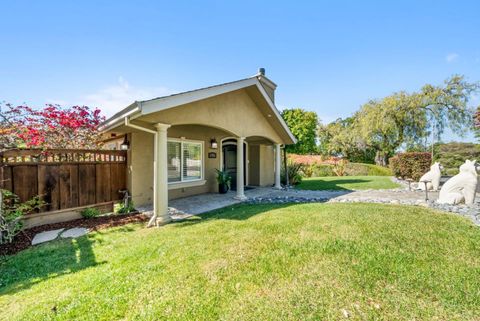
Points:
(359, 169)
(295, 172)
(12, 211)
(90, 212)
(340, 167)
(320, 170)
(410, 165)
(451, 171)
(126, 209)
(351, 169)
(452, 155)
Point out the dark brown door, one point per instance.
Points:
(230, 163)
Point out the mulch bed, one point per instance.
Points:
(24, 239)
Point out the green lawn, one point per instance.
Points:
(347, 183)
(257, 262)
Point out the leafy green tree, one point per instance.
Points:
(341, 138)
(404, 118)
(303, 125)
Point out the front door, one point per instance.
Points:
(229, 151)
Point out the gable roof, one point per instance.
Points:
(145, 107)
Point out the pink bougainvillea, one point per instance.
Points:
(50, 127)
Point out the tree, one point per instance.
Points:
(386, 124)
(404, 118)
(476, 123)
(51, 127)
(341, 138)
(303, 125)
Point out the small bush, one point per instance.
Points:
(126, 209)
(90, 212)
(295, 171)
(410, 165)
(340, 167)
(451, 171)
(12, 211)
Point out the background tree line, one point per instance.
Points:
(402, 120)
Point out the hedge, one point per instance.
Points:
(410, 165)
(352, 169)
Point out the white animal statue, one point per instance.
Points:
(433, 175)
(461, 187)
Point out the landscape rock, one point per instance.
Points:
(46, 236)
(74, 232)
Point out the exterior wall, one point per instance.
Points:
(267, 166)
(140, 168)
(234, 112)
(254, 165)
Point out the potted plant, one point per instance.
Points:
(223, 180)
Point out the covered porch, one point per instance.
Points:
(185, 159)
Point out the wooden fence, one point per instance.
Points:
(64, 178)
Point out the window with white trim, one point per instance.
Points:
(185, 161)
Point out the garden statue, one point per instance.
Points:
(461, 187)
(432, 177)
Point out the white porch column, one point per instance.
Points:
(240, 168)
(278, 185)
(160, 177)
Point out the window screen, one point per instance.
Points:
(192, 161)
(174, 161)
(184, 161)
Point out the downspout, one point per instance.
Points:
(153, 219)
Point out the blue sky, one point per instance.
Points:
(327, 56)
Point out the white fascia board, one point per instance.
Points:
(275, 111)
(156, 105)
(117, 121)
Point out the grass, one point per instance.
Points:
(257, 262)
(347, 183)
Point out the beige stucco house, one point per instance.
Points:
(176, 142)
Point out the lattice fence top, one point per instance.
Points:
(64, 156)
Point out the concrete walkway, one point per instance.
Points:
(193, 205)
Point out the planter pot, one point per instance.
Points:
(222, 188)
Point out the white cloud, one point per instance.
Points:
(112, 99)
(451, 57)
(327, 119)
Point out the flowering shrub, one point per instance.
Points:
(51, 127)
(410, 165)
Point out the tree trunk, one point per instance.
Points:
(381, 158)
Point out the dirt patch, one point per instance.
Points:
(24, 239)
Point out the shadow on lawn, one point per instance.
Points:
(232, 212)
(47, 261)
(335, 185)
